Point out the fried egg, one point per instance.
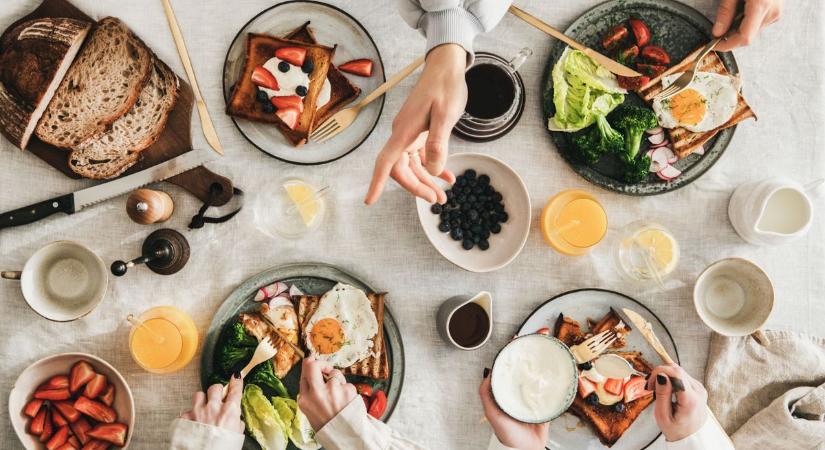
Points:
(342, 329)
(708, 103)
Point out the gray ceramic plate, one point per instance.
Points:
(567, 432)
(312, 279)
(677, 28)
(331, 26)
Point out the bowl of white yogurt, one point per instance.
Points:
(534, 378)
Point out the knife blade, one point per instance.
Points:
(274, 329)
(74, 202)
(604, 61)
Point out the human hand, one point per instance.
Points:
(509, 431)
(320, 400)
(417, 148)
(684, 417)
(758, 15)
(212, 409)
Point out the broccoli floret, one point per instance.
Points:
(235, 349)
(264, 376)
(610, 140)
(596, 141)
(632, 121)
(636, 170)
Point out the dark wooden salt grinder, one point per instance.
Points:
(165, 251)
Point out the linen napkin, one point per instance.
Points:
(769, 396)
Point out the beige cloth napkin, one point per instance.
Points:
(769, 396)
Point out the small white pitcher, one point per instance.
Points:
(772, 211)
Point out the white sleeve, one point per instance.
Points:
(495, 444)
(189, 435)
(353, 428)
(710, 436)
(452, 21)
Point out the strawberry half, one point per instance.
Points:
(114, 433)
(56, 382)
(32, 407)
(289, 116)
(57, 419)
(96, 445)
(292, 55)
(108, 396)
(264, 78)
(59, 438)
(635, 388)
(81, 373)
(74, 442)
(80, 428)
(67, 446)
(361, 67)
(586, 387)
(95, 386)
(288, 101)
(48, 427)
(53, 394)
(37, 424)
(613, 386)
(96, 410)
(67, 410)
(545, 331)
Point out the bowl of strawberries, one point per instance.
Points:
(72, 401)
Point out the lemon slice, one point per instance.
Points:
(663, 248)
(303, 196)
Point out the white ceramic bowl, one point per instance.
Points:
(42, 370)
(504, 246)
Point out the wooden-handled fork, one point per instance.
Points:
(344, 118)
(263, 352)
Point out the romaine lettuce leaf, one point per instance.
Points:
(301, 433)
(262, 419)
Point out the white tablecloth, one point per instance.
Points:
(385, 245)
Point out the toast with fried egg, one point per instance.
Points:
(683, 141)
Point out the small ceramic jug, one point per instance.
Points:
(453, 304)
(772, 211)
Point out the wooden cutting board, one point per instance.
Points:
(175, 139)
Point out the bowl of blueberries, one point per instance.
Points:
(486, 220)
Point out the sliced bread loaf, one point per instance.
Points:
(34, 57)
(114, 151)
(100, 87)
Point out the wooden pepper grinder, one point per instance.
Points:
(146, 206)
(165, 251)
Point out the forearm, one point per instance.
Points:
(495, 444)
(189, 435)
(353, 428)
(709, 436)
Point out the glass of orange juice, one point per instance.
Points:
(572, 222)
(163, 339)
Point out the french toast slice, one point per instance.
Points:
(375, 366)
(342, 91)
(608, 424)
(243, 103)
(683, 141)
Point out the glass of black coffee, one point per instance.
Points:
(466, 322)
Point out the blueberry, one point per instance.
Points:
(460, 181)
(308, 66)
(467, 244)
(436, 208)
(499, 208)
(472, 198)
(450, 194)
(477, 190)
(586, 365)
(466, 190)
(466, 206)
(485, 234)
(483, 180)
(495, 228)
(497, 196)
(592, 399)
(502, 217)
(268, 108)
(443, 227)
(469, 174)
(472, 214)
(457, 234)
(283, 66)
(461, 198)
(455, 215)
(483, 244)
(476, 238)
(301, 90)
(261, 96)
(465, 225)
(476, 229)
(619, 407)
(455, 223)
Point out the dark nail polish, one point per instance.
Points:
(237, 375)
(661, 379)
(486, 372)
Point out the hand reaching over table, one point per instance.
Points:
(758, 15)
(321, 400)
(212, 409)
(688, 413)
(509, 431)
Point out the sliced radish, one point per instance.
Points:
(663, 144)
(294, 291)
(657, 138)
(270, 291)
(700, 150)
(655, 130)
(670, 157)
(669, 173)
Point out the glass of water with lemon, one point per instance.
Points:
(647, 252)
(299, 208)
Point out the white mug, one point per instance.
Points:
(772, 211)
(62, 281)
(734, 297)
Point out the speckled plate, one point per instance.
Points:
(677, 28)
(331, 26)
(312, 279)
(568, 432)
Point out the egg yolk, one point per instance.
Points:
(688, 107)
(327, 336)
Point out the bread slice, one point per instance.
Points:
(375, 366)
(685, 142)
(342, 90)
(259, 49)
(111, 153)
(34, 57)
(608, 424)
(102, 84)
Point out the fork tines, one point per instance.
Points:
(602, 341)
(325, 130)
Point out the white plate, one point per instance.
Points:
(42, 370)
(331, 26)
(566, 432)
(504, 246)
